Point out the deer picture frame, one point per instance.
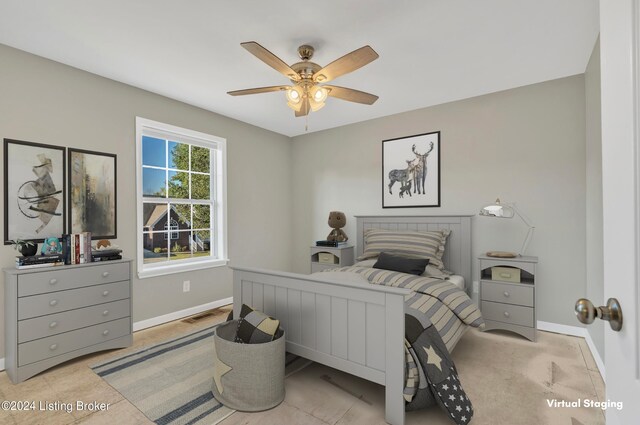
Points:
(411, 171)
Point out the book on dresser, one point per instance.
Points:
(39, 261)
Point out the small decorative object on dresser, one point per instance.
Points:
(337, 220)
(503, 210)
(507, 294)
(51, 246)
(26, 248)
(326, 257)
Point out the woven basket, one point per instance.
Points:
(255, 380)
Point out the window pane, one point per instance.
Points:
(153, 216)
(179, 156)
(154, 152)
(181, 246)
(201, 243)
(199, 159)
(153, 182)
(201, 217)
(155, 247)
(178, 185)
(181, 214)
(200, 186)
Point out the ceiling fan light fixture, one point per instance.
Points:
(294, 95)
(319, 94)
(316, 106)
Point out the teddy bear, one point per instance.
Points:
(337, 220)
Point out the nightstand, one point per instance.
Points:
(325, 257)
(508, 294)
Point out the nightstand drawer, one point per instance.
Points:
(507, 313)
(508, 294)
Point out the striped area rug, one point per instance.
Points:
(171, 382)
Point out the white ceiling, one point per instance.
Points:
(431, 51)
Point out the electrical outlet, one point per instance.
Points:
(476, 286)
(186, 286)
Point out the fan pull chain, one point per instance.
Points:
(306, 123)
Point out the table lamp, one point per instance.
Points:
(504, 210)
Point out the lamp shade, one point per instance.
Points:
(498, 209)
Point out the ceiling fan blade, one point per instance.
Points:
(347, 63)
(257, 90)
(351, 95)
(304, 110)
(270, 59)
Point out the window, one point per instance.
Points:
(181, 193)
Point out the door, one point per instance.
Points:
(619, 26)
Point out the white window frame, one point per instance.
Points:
(146, 127)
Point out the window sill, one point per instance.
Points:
(180, 268)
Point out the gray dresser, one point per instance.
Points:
(59, 313)
(508, 294)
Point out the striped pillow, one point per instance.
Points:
(427, 244)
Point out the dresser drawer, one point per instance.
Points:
(56, 302)
(56, 345)
(50, 281)
(507, 313)
(509, 294)
(54, 324)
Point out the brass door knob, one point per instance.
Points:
(586, 312)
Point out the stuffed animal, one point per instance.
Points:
(337, 220)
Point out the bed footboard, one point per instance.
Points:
(356, 328)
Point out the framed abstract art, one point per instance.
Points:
(34, 191)
(92, 193)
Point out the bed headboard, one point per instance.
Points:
(457, 254)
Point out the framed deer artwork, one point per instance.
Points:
(411, 171)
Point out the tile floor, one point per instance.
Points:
(507, 378)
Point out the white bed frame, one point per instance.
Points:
(356, 328)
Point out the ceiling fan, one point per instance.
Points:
(306, 93)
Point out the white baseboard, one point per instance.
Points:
(579, 332)
(159, 320)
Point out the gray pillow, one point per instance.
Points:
(400, 263)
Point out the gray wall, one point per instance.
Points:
(47, 102)
(595, 270)
(525, 145)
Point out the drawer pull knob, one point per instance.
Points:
(105, 332)
(53, 347)
(105, 293)
(506, 314)
(53, 281)
(105, 313)
(53, 324)
(53, 303)
(105, 274)
(506, 294)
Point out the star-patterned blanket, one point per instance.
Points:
(438, 377)
(436, 313)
